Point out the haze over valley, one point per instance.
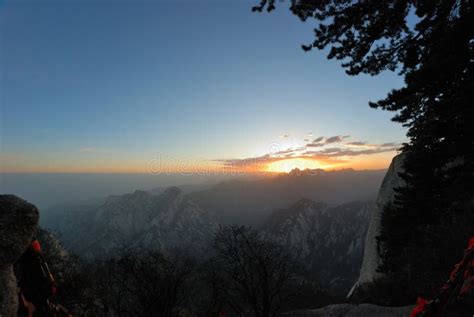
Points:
(315, 214)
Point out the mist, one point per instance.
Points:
(49, 189)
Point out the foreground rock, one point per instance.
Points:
(18, 221)
(348, 310)
(369, 275)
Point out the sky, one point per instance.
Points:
(179, 86)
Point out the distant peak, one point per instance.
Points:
(173, 190)
(305, 172)
(137, 195)
(304, 202)
(295, 171)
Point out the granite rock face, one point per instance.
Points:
(368, 273)
(328, 240)
(348, 310)
(138, 221)
(18, 222)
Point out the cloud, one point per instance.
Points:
(366, 145)
(333, 139)
(330, 150)
(358, 143)
(284, 136)
(390, 144)
(363, 145)
(315, 144)
(288, 151)
(322, 141)
(336, 139)
(328, 156)
(318, 142)
(339, 152)
(317, 150)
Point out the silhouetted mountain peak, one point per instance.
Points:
(305, 203)
(140, 193)
(173, 191)
(295, 171)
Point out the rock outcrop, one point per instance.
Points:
(368, 273)
(18, 221)
(348, 310)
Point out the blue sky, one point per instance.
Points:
(93, 85)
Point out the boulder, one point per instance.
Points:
(18, 221)
(348, 310)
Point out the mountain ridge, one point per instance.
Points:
(250, 202)
(140, 220)
(328, 240)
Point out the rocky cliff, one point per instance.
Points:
(18, 221)
(348, 310)
(139, 220)
(328, 240)
(368, 273)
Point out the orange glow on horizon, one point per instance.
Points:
(287, 165)
(197, 167)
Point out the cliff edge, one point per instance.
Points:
(18, 222)
(368, 273)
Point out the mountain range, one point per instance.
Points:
(327, 238)
(250, 202)
(135, 220)
(329, 241)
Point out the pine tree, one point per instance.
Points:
(425, 232)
